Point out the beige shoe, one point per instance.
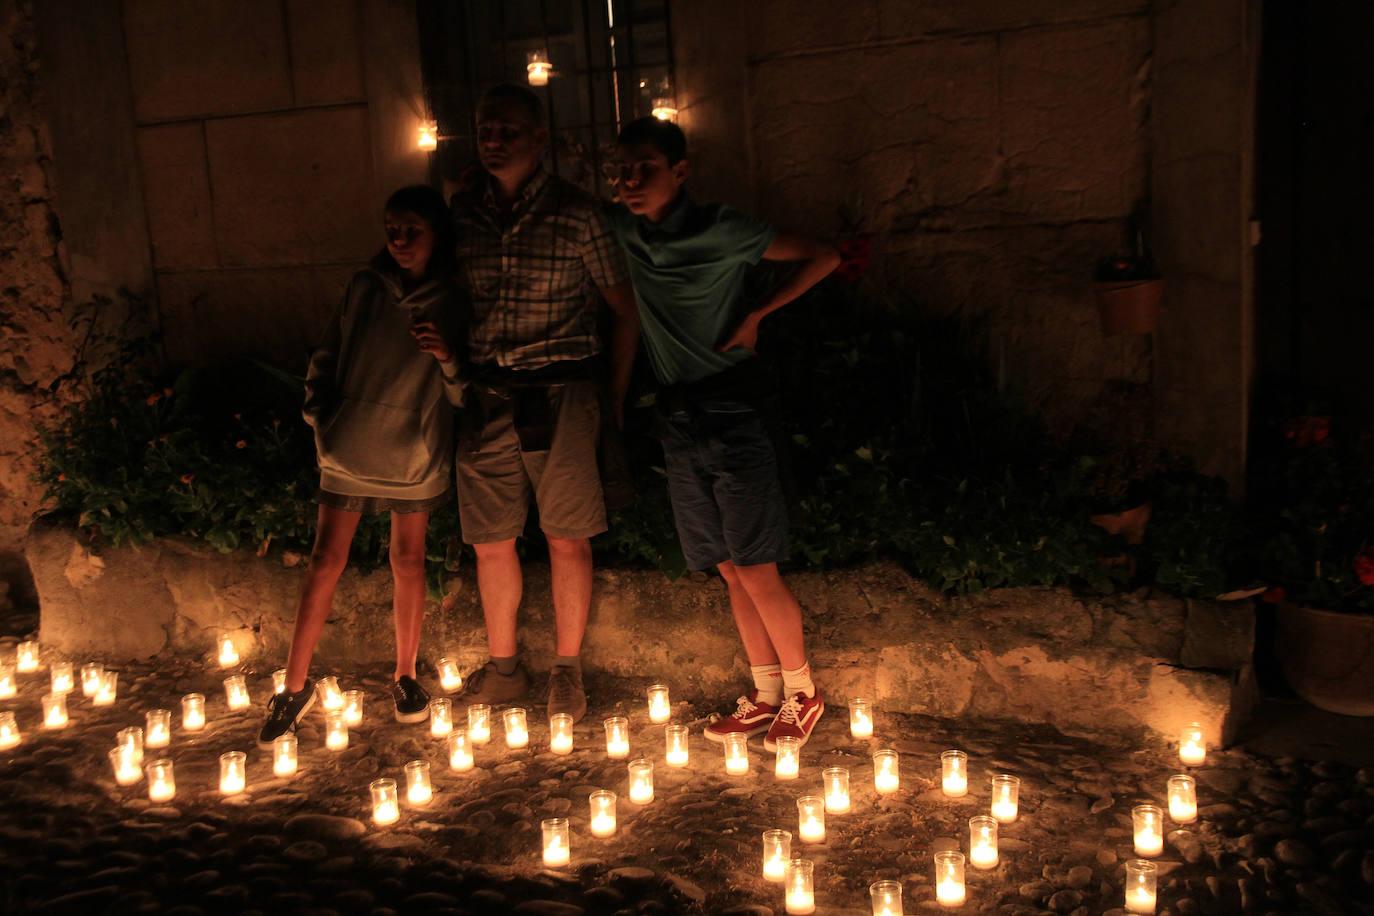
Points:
(566, 693)
(489, 686)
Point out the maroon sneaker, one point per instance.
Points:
(797, 717)
(751, 716)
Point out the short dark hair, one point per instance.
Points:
(519, 96)
(664, 136)
(428, 204)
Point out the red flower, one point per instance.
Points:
(855, 254)
(187, 478)
(240, 444)
(1364, 566)
(1306, 431)
(1274, 595)
(153, 399)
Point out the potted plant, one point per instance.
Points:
(1128, 287)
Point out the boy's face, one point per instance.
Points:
(647, 183)
(507, 141)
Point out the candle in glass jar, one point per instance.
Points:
(353, 707)
(660, 710)
(233, 774)
(331, 697)
(284, 759)
(441, 716)
(777, 852)
(130, 740)
(419, 792)
(561, 733)
(617, 737)
(55, 710)
(159, 728)
(641, 781)
(836, 782)
(675, 742)
(162, 784)
(1148, 824)
(62, 680)
(736, 747)
(9, 731)
(949, 878)
(386, 805)
(557, 851)
(1141, 881)
(1192, 745)
(811, 819)
(228, 655)
(886, 897)
(982, 841)
(109, 688)
(236, 691)
(336, 730)
(90, 678)
(193, 712)
(798, 880)
(479, 723)
(1182, 799)
(954, 773)
(7, 684)
(517, 730)
(860, 718)
(602, 805)
(126, 768)
(1006, 792)
(887, 777)
(26, 657)
(787, 763)
(450, 678)
(279, 680)
(459, 751)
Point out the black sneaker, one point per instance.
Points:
(412, 700)
(284, 711)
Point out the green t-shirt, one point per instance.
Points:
(688, 273)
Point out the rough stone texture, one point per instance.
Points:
(1033, 655)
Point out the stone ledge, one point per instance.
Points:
(1133, 663)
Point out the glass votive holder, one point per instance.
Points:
(887, 775)
(1141, 886)
(675, 745)
(353, 707)
(335, 730)
(459, 751)
(787, 761)
(8, 687)
(279, 681)
(330, 696)
(602, 813)
(479, 723)
(162, 784)
(157, 728)
(949, 878)
(886, 897)
(617, 737)
(982, 841)
(800, 889)
(441, 717)
(450, 678)
(233, 773)
(284, 755)
(836, 783)
(55, 710)
(386, 805)
(811, 819)
(641, 780)
(131, 741)
(419, 791)
(107, 691)
(62, 680)
(557, 850)
(228, 654)
(90, 678)
(127, 769)
(660, 709)
(1006, 797)
(1192, 745)
(1182, 799)
(9, 731)
(517, 729)
(777, 852)
(561, 733)
(236, 691)
(1147, 824)
(26, 657)
(193, 712)
(860, 718)
(954, 773)
(736, 748)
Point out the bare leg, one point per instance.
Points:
(408, 581)
(500, 587)
(333, 533)
(777, 609)
(752, 632)
(570, 562)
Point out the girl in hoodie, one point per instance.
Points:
(379, 395)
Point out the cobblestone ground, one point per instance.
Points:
(1274, 835)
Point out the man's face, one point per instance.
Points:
(410, 240)
(507, 141)
(647, 183)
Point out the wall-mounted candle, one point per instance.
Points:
(90, 678)
(617, 737)
(517, 727)
(193, 712)
(459, 751)
(127, 769)
(787, 762)
(641, 780)
(158, 723)
(335, 730)
(26, 657)
(557, 851)
(284, 757)
(130, 740)
(1006, 797)
(860, 718)
(233, 772)
(954, 773)
(1192, 745)
(7, 685)
(886, 897)
(228, 655)
(236, 692)
(279, 680)
(479, 723)
(736, 746)
(777, 852)
(836, 783)
(602, 812)
(441, 717)
(811, 819)
(1182, 799)
(982, 841)
(9, 731)
(353, 707)
(55, 710)
(162, 784)
(331, 697)
(1147, 821)
(949, 878)
(561, 733)
(419, 792)
(675, 744)
(887, 774)
(107, 691)
(1141, 881)
(386, 805)
(660, 710)
(799, 883)
(62, 680)
(450, 678)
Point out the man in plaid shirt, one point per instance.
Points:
(537, 256)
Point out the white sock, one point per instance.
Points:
(768, 681)
(798, 681)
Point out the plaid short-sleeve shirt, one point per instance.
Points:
(532, 272)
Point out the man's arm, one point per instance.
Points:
(818, 260)
(624, 342)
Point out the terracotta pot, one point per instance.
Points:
(1129, 524)
(1328, 658)
(1129, 306)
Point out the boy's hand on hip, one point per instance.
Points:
(746, 336)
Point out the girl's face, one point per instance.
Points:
(410, 240)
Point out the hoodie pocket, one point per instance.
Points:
(373, 441)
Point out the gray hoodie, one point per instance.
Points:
(382, 410)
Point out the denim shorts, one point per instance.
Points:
(723, 481)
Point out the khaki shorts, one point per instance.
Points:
(496, 477)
